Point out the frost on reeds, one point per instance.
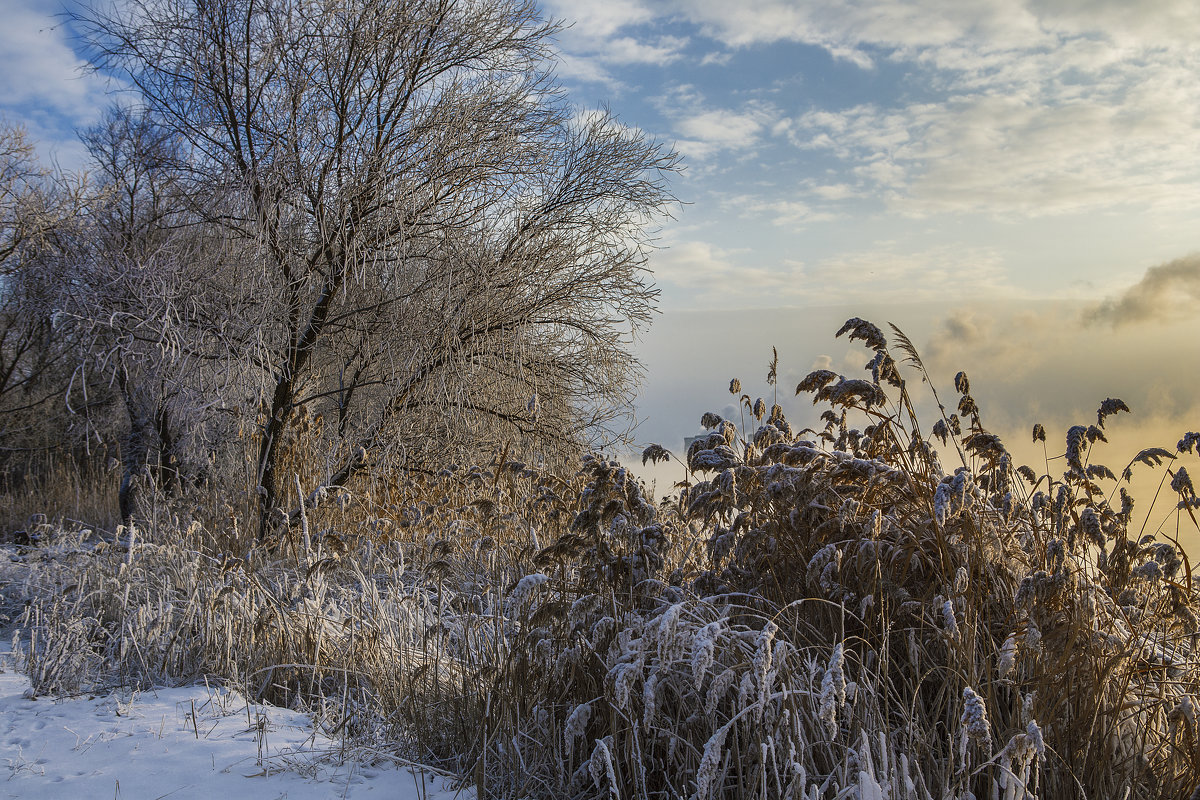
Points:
(974, 724)
(833, 691)
(826, 612)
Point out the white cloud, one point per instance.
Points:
(41, 81)
(627, 50)
(717, 277)
(845, 28)
(893, 271)
(719, 59)
(822, 362)
(36, 63)
(1030, 107)
(781, 212)
(704, 132)
(603, 34)
(586, 70)
(849, 29)
(600, 18)
(833, 191)
(1039, 149)
(1150, 22)
(721, 128)
(696, 264)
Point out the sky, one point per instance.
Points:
(907, 150)
(1015, 183)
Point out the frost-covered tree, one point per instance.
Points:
(39, 222)
(149, 294)
(446, 254)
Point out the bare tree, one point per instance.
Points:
(39, 220)
(445, 251)
(153, 296)
(129, 292)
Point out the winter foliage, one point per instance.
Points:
(816, 614)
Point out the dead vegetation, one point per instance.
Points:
(822, 613)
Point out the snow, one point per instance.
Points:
(192, 742)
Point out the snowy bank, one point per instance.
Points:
(192, 742)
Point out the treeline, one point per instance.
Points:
(319, 241)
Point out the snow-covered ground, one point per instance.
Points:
(194, 742)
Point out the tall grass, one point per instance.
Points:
(869, 609)
(56, 486)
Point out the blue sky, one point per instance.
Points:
(1015, 183)
(913, 150)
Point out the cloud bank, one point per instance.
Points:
(1166, 291)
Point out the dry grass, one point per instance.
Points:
(824, 613)
(57, 488)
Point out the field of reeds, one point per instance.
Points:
(881, 607)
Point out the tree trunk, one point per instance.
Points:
(268, 455)
(135, 454)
